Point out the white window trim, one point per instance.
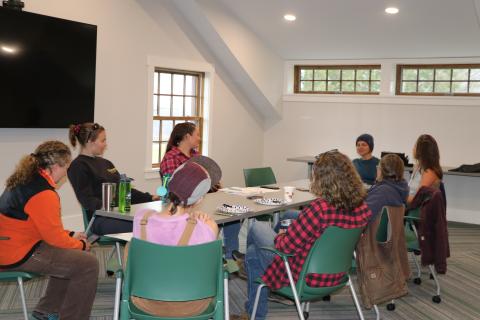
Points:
(387, 84)
(161, 62)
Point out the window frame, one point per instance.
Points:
(199, 101)
(399, 81)
(370, 67)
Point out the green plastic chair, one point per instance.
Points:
(175, 273)
(19, 276)
(331, 253)
(255, 177)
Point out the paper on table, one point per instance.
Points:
(127, 236)
(248, 191)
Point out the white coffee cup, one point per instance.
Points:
(288, 192)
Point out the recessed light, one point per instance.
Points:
(289, 17)
(391, 10)
(8, 49)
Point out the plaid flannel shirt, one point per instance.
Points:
(173, 159)
(302, 234)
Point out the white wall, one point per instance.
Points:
(126, 36)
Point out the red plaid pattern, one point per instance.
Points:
(302, 234)
(173, 159)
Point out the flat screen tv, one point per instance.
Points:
(47, 70)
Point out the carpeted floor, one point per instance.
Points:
(460, 291)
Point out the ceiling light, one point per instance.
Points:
(8, 49)
(289, 17)
(391, 10)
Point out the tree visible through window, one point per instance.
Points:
(177, 97)
(438, 79)
(340, 79)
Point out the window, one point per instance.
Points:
(177, 97)
(438, 79)
(343, 79)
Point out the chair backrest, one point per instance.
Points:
(255, 177)
(382, 231)
(173, 273)
(331, 253)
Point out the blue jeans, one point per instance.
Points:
(256, 262)
(230, 237)
(289, 214)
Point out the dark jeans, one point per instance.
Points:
(73, 280)
(104, 225)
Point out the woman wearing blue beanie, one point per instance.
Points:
(367, 164)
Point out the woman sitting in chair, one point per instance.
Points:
(179, 224)
(391, 189)
(366, 165)
(30, 217)
(340, 203)
(427, 171)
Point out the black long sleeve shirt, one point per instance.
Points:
(86, 175)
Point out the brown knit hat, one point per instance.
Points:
(211, 166)
(189, 182)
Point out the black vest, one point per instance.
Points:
(12, 202)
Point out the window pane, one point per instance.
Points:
(177, 106)
(155, 152)
(425, 86)
(178, 83)
(348, 86)
(167, 127)
(375, 86)
(425, 74)
(409, 74)
(475, 74)
(155, 82)
(333, 75)
(306, 74)
(156, 130)
(333, 86)
(375, 75)
(165, 83)
(442, 87)
(165, 102)
(409, 87)
(363, 74)
(348, 74)
(320, 74)
(474, 87)
(460, 87)
(306, 85)
(320, 85)
(190, 106)
(190, 85)
(155, 105)
(460, 74)
(362, 86)
(163, 149)
(443, 74)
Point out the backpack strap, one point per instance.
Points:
(187, 233)
(144, 222)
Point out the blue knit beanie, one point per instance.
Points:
(366, 138)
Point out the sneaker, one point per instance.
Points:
(280, 299)
(44, 316)
(237, 255)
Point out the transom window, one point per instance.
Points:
(177, 97)
(438, 79)
(340, 79)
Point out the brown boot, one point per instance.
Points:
(243, 316)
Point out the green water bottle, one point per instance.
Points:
(124, 194)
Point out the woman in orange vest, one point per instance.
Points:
(36, 241)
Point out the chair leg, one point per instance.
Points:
(255, 304)
(355, 299)
(417, 280)
(377, 312)
(87, 230)
(119, 254)
(225, 298)
(22, 296)
(294, 290)
(435, 298)
(118, 289)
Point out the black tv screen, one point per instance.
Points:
(47, 71)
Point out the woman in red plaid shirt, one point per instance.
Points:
(340, 203)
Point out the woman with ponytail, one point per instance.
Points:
(89, 170)
(30, 219)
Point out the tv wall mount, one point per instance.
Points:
(13, 4)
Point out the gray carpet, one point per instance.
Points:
(460, 291)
